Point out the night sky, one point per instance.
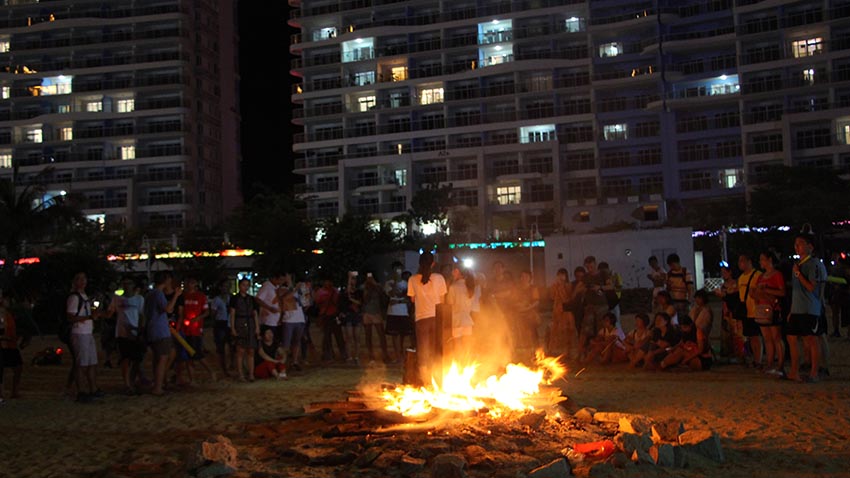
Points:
(265, 91)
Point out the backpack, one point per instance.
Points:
(65, 325)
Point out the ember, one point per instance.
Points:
(461, 390)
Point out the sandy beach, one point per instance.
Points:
(769, 428)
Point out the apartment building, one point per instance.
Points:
(132, 104)
(561, 114)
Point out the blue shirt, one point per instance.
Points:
(219, 309)
(803, 301)
(155, 304)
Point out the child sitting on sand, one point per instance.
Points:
(609, 343)
(693, 350)
(665, 336)
(637, 338)
(270, 359)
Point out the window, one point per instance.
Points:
(399, 73)
(400, 177)
(364, 78)
(324, 33)
(94, 106)
(611, 132)
(809, 76)
(5, 160)
(573, 24)
(128, 152)
(497, 31)
(610, 49)
(365, 103)
(358, 49)
(508, 195)
(34, 135)
(6, 92)
(537, 134)
(730, 178)
(66, 134)
(431, 96)
(4, 45)
(807, 47)
(695, 181)
(63, 108)
(55, 85)
(126, 106)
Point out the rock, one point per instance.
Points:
(555, 469)
(478, 457)
(367, 458)
(642, 457)
(410, 465)
(214, 470)
(619, 460)
(434, 448)
(703, 442)
(667, 431)
(680, 457)
(503, 444)
(629, 442)
(666, 456)
(636, 424)
(602, 470)
(532, 420)
(333, 459)
(585, 415)
(448, 465)
(215, 449)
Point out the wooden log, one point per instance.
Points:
(410, 375)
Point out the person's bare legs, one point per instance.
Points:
(755, 346)
(769, 346)
(794, 351)
(778, 347)
(250, 360)
(369, 348)
(160, 366)
(240, 355)
(382, 339)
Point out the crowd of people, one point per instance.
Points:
(773, 319)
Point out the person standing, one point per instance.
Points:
(731, 341)
(680, 285)
(351, 316)
(462, 294)
(293, 324)
(221, 327)
(245, 329)
(807, 287)
(747, 283)
(399, 323)
(563, 335)
(839, 298)
(374, 307)
(327, 302)
(527, 302)
(769, 295)
(426, 290)
(269, 308)
(192, 313)
(81, 315)
(157, 308)
(595, 302)
(657, 276)
(10, 353)
(304, 296)
(131, 346)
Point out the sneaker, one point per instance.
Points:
(282, 376)
(774, 372)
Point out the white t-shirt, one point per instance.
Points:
(267, 294)
(426, 296)
(461, 304)
(617, 331)
(72, 305)
(294, 316)
(398, 305)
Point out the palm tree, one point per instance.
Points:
(27, 214)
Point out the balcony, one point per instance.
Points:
(369, 209)
(318, 187)
(374, 182)
(63, 13)
(105, 203)
(115, 37)
(322, 212)
(633, 16)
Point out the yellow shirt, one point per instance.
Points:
(742, 290)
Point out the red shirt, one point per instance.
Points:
(194, 304)
(10, 336)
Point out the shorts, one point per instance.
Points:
(372, 319)
(802, 325)
(399, 325)
(85, 349)
(292, 332)
(11, 358)
(751, 327)
(351, 319)
(162, 347)
(197, 343)
(130, 349)
(221, 335)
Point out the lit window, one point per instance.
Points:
(537, 134)
(615, 131)
(809, 76)
(6, 92)
(128, 152)
(63, 108)
(126, 106)
(5, 160)
(34, 135)
(358, 50)
(430, 96)
(4, 45)
(496, 31)
(55, 85)
(573, 24)
(807, 47)
(496, 55)
(399, 73)
(508, 195)
(66, 134)
(846, 129)
(730, 178)
(366, 103)
(401, 177)
(610, 49)
(94, 106)
(364, 78)
(324, 33)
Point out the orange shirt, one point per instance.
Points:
(11, 335)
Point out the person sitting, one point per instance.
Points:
(701, 314)
(270, 359)
(637, 338)
(665, 336)
(609, 344)
(693, 350)
(663, 303)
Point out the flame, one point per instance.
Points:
(461, 392)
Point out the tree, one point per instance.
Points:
(348, 243)
(431, 204)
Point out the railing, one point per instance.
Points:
(382, 208)
(431, 17)
(105, 203)
(64, 157)
(649, 12)
(116, 37)
(22, 20)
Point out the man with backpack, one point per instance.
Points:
(81, 317)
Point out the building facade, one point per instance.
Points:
(562, 114)
(131, 104)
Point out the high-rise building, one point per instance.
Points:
(131, 104)
(562, 114)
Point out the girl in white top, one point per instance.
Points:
(426, 289)
(463, 294)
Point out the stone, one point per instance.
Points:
(533, 419)
(555, 469)
(602, 470)
(636, 424)
(629, 442)
(680, 457)
(333, 459)
(367, 458)
(410, 465)
(434, 448)
(448, 465)
(619, 460)
(478, 457)
(703, 442)
(215, 449)
(214, 470)
(666, 456)
(585, 415)
(667, 431)
(642, 457)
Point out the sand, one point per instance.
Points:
(768, 427)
